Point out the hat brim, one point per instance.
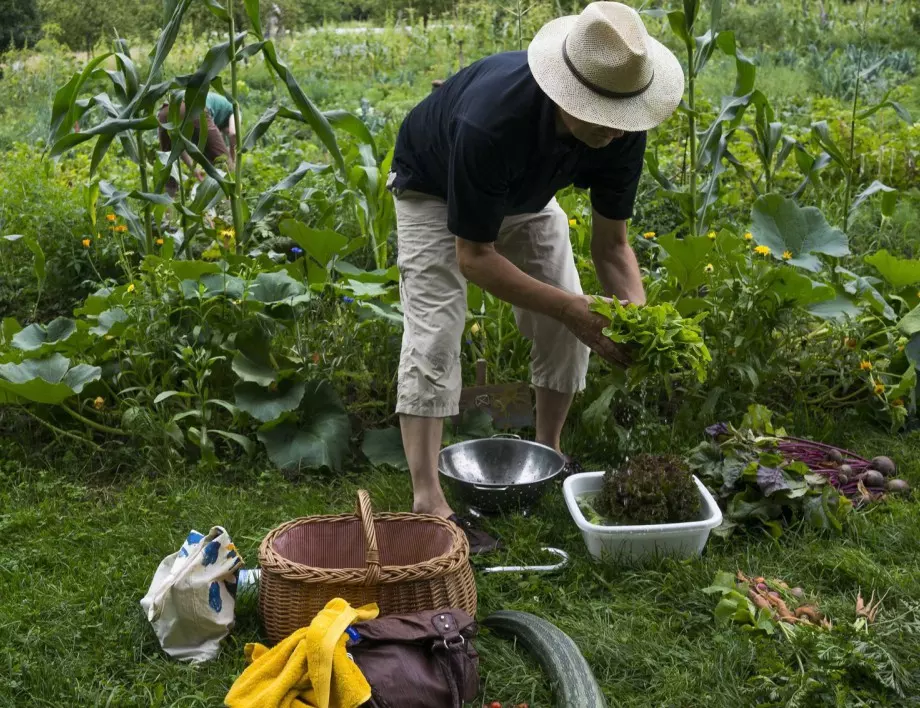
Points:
(643, 112)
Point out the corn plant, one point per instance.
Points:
(707, 147)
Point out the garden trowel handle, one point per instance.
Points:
(564, 561)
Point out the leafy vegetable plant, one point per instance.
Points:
(651, 489)
(757, 485)
(664, 343)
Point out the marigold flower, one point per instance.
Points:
(110, 217)
(709, 268)
(159, 242)
(748, 236)
(86, 242)
(649, 235)
(99, 403)
(762, 250)
(121, 228)
(131, 288)
(865, 365)
(879, 389)
(712, 235)
(787, 255)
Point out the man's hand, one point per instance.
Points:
(588, 326)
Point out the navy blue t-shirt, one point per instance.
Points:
(486, 142)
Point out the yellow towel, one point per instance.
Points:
(309, 669)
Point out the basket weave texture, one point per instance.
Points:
(403, 562)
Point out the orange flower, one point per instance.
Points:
(865, 365)
(86, 242)
(159, 242)
(649, 235)
(879, 389)
(121, 228)
(110, 217)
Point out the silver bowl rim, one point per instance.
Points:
(531, 443)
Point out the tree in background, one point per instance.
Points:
(20, 24)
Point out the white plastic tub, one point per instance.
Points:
(625, 543)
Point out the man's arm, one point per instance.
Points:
(615, 261)
(481, 264)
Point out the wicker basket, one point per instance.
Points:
(403, 562)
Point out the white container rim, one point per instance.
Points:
(712, 520)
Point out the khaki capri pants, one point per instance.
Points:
(433, 294)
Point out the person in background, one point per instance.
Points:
(476, 168)
(221, 139)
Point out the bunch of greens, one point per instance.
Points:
(651, 489)
(662, 342)
(757, 486)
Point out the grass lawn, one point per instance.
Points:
(78, 552)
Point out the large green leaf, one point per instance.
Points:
(36, 336)
(890, 194)
(322, 438)
(266, 404)
(840, 308)
(910, 323)
(796, 287)
(385, 447)
(9, 326)
(321, 244)
(278, 288)
(864, 289)
(687, 258)
(49, 380)
(252, 371)
(782, 225)
(63, 109)
(897, 272)
(108, 320)
(354, 126)
(390, 275)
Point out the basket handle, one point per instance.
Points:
(371, 552)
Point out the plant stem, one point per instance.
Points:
(848, 195)
(142, 166)
(59, 431)
(235, 191)
(691, 118)
(93, 424)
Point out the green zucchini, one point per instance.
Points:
(573, 682)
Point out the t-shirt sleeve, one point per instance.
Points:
(613, 178)
(477, 185)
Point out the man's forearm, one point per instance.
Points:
(500, 277)
(618, 271)
(615, 262)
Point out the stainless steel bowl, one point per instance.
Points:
(499, 473)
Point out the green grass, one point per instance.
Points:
(78, 551)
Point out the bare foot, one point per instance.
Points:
(437, 508)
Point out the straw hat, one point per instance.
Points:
(602, 67)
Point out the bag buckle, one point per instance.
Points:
(455, 642)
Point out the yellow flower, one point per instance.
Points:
(131, 288)
(86, 242)
(649, 235)
(865, 365)
(748, 236)
(879, 389)
(99, 403)
(709, 268)
(159, 242)
(475, 328)
(572, 222)
(712, 235)
(110, 217)
(787, 255)
(898, 403)
(762, 250)
(121, 228)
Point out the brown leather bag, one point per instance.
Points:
(419, 660)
